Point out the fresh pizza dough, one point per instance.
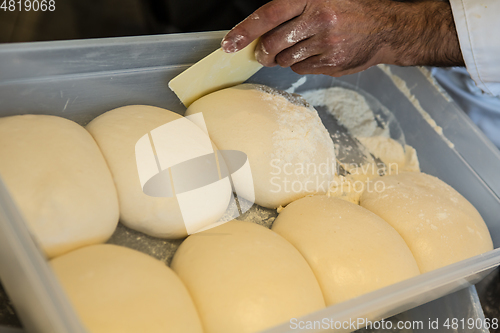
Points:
(439, 225)
(350, 250)
(364, 177)
(117, 132)
(290, 152)
(245, 278)
(396, 157)
(59, 180)
(116, 289)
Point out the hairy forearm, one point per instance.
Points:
(339, 37)
(422, 33)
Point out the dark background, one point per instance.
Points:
(76, 19)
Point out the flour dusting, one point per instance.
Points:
(300, 130)
(296, 84)
(350, 108)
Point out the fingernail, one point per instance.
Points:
(229, 45)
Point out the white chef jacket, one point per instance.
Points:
(478, 28)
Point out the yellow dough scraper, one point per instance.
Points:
(216, 71)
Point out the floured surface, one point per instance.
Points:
(159, 248)
(164, 249)
(350, 108)
(297, 123)
(368, 139)
(260, 215)
(349, 114)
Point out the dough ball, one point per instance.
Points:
(290, 152)
(388, 150)
(117, 133)
(392, 153)
(245, 278)
(346, 188)
(350, 250)
(59, 180)
(362, 178)
(438, 224)
(116, 289)
(411, 159)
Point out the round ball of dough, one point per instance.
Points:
(59, 180)
(117, 132)
(439, 225)
(245, 278)
(116, 289)
(350, 250)
(290, 152)
(392, 153)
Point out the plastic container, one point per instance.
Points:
(82, 79)
(460, 307)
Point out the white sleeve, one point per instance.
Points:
(478, 28)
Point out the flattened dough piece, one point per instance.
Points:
(116, 289)
(245, 278)
(439, 225)
(59, 180)
(117, 132)
(350, 250)
(290, 152)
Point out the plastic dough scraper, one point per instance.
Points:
(216, 71)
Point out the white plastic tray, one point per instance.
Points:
(82, 79)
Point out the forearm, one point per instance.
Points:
(339, 37)
(422, 33)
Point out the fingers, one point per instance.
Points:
(321, 52)
(284, 37)
(311, 65)
(323, 64)
(299, 52)
(261, 21)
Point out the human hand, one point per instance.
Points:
(339, 37)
